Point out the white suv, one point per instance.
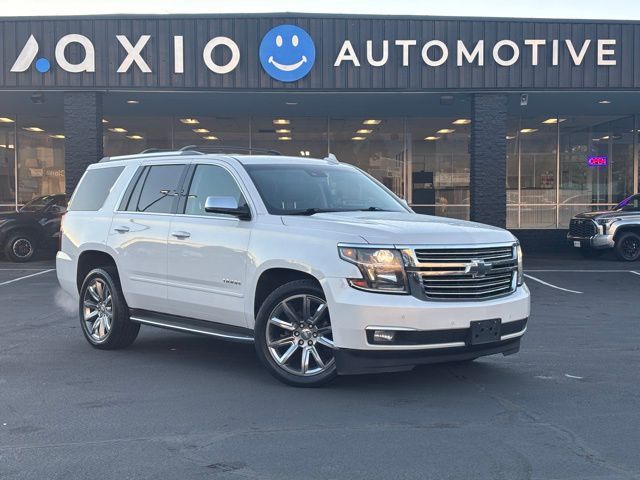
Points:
(319, 264)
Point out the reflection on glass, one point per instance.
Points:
(7, 167)
(130, 135)
(440, 165)
(381, 152)
(40, 157)
(298, 136)
(212, 132)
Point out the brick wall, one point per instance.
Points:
(488, 148)
(83, 134)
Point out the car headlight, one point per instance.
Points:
(520, 276)
(606, 221)
(382, 269)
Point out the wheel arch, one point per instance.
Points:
(274, 277)
(90, 259)
(630, 227)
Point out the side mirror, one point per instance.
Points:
(228, 206)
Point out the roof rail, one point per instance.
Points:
(205, 149)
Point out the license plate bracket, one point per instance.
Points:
(485, 331)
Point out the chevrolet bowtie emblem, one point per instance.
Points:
(478, 268)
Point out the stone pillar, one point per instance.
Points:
(83, 134)
(488, 190)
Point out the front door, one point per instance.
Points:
(207, 252)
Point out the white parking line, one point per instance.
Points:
(549, 284)
(635, 273)
(26, 276)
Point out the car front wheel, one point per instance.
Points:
(627, 247)
(104, 314)
(293, 335)
(20, 247)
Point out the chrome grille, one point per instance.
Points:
(466, 273)
(583, 228)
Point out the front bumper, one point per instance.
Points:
(598, 241)
(438, 324)
(352, 362)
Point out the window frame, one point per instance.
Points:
(188, 180)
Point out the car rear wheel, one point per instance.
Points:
(627, 247)
(20, 247)
(293, 335)
(104, 314)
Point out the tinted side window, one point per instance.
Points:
(157, 192)
(94, 188)
(211, 181)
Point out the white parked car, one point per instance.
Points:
(320, 265)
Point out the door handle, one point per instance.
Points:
(181, 235)
(121, 229)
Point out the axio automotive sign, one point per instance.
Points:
(287, 53)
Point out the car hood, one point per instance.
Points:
(605, 214)
(399, 228)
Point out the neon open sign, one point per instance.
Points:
(601, 161)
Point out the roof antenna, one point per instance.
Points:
(331, 158)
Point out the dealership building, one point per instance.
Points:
(513, 122)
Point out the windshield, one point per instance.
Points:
(631, 203)
(309, 189)
(37, 203)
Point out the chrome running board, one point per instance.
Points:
(192, 325)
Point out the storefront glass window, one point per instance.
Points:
(40, 157)
(299, 136)
(376, 145)
(440, 165)
(129, 135)
(211, 131)
(7, 164)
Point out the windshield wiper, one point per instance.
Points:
(311, 211)
(373, 209)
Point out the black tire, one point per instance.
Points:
(268, 307)
(122, 331)
(20, 247)
(588, 252)
(627, 247)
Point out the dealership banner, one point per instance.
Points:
(317, 53)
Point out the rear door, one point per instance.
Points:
(207, 253)
(139, 234)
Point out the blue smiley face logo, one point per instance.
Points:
(287, 53)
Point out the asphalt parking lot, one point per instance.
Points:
(184, 407)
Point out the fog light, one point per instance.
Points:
(383, 336)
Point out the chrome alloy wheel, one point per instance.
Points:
(22, 248)
(299, 335)
(98, 310)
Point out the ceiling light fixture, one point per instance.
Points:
(284, 138)
(118, 130)
(57, 136)
(33, 129)
(553, 120)
(104, 120)
(431, 138)
(371, 121)
(446, 130)
(528, 130)
(604, 102)
(133, 102)
(358, 139)
(189, 121)
(135, 137)
(461, 121)
(210, 137)
(281, 121)
(6, 120)
(364, 130)
(283, 130)
(201, 130)
(291, 103)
